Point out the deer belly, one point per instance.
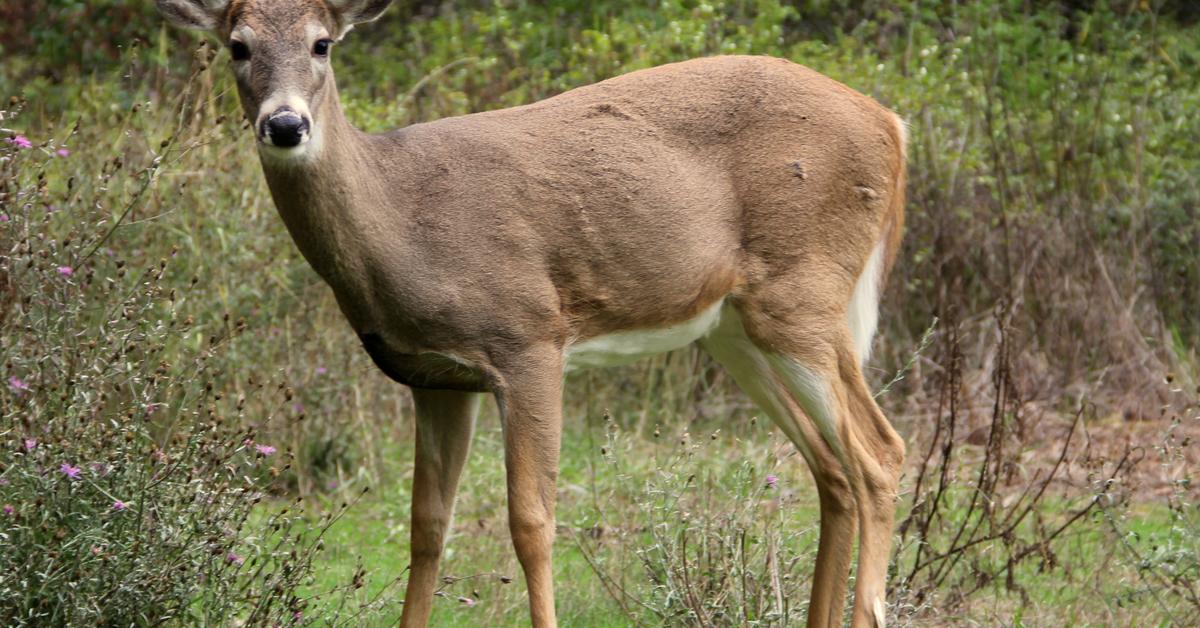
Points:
(627, 346)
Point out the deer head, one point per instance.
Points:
(279, 51)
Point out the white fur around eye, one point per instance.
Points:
(244, 34)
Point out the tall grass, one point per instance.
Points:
(128, 474)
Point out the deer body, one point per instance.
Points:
(426, 263)
(747, 203)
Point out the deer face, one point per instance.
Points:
(279, 51)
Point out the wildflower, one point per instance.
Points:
(466, 601)
(297, 616)
(150, 408)
(20, 141)
(772, 481)
(119, 505)
(322, 370)
(3, 217)
(62, 152)
(264, 450)
(17, 385)
(30, 444)
(298, 408)
(234, 558)
(9, 510)
(66, 271)
(69, 471)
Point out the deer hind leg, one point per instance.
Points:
(445, 421)
(752, 369)
(822, 406)
(881, 458)
(870, 454)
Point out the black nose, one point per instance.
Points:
(285, 128)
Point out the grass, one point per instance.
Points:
(607, 472)
(601, 516)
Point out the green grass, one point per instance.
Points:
(601, 510)
(1091, 580)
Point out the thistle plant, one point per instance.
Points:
(131, 476)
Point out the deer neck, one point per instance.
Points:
(323, 195)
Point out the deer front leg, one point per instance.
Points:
(445, 420)
(529, 392)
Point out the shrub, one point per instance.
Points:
(130, 477)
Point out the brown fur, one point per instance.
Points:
(470, 252)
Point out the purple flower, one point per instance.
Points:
(8, 509)
(69, 471)
(3, 217)
(17, 385)
(322, 370)
(298, 408)
(772, 481)
(30, 444)
(62, 152)
(150, 408)
(21, 141)
(119, 505)
(264, 450)
(234, 558)
(66, 271)
(466, 601)
(297, 616)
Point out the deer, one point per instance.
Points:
(747, 204)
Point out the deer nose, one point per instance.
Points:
(285, 128)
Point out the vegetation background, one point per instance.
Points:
(188, 428)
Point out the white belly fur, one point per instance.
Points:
(627, 346)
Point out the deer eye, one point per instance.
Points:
(321, 48)
(239, 51)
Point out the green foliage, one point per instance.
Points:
(130, 471)
(66, 36)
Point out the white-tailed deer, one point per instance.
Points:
(746, 203)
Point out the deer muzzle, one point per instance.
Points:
(284, 128)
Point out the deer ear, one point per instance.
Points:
(351, 12)
(198, 14)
